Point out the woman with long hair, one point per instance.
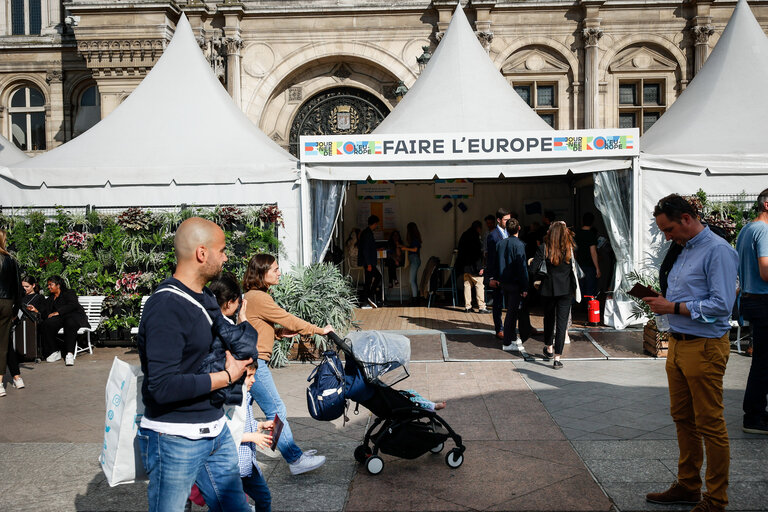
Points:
(10, 301)
(60, 311)
(413, 248)
(557, 287)
(33, 298)
(264, 314)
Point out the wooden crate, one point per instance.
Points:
(654, 342)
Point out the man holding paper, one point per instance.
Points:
(698, 298)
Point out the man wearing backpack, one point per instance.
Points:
(184, 436)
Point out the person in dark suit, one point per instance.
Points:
(513, 279)
(557, 286)
(366, 258)
(61, 310)
(491, 272)
(469, 263)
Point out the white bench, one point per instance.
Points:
(135, 330)
(92, 306)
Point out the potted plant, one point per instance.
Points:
(319, 294)
(655, 342)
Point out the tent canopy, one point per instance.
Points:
(178, 126)
(719, 122)
(461, 91)
(9, 153)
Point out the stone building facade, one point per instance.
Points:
(338, 66)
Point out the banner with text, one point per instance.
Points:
(470, 146)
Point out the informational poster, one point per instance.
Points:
(385, 211)
(389, 219)
(373, 189)
(454, 189)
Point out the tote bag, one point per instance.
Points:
(120, 456)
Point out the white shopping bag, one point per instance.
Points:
(120, 456)
(236, 418)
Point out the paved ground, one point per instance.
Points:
(536, 439)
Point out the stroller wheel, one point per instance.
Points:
(438, 448)
(362, 452)
(374, 465)
(454, 458)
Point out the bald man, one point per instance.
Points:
(184, 437)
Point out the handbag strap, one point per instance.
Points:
(178, 291)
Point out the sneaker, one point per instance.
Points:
(706, 505)
(519, 344)
(69, 360)
(484, 311)
(512, 347)
(557, 365)
(2, 390)
(676, 494)
(468, 310)
(755, 427)
(372, 303)
(567, 338)
(307, 462)
(18, 383)
(56, 356)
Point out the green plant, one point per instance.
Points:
(319, 294)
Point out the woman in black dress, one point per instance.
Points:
(10, 300)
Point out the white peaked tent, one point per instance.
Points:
(462, 91)
(178, 138)
(714, 136)
(9, 153)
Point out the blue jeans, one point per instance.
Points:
(174, 463)
(414, 262)
(256, 487)
(265, 394)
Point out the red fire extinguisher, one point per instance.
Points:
(593, 310)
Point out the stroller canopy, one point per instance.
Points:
(381, 354)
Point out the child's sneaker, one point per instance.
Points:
(307, 462)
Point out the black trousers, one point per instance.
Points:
(517, 314)
(49, 330)
(756, 311)
(556, 310)
(372, 282)
(498, 305)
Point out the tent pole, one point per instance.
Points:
(306, 218)
(637, 195)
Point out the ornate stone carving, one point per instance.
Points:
(295, 94)
(342, 72)
(54, 76)
(701, 33)
(121, 57)
(591, 36)
(485, 38)
(233, 45)
(439, 36)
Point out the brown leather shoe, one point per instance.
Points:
(706, 505)
(675, 494)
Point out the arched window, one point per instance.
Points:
(27, 112)
(26, 17)
(88, 111)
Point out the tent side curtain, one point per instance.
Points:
(613, 199)
(326, 199)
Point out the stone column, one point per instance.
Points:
(701, 35)
(483, 22)
(233, 68)
(57, 131)
(591, 77)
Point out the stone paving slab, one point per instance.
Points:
(620, 344)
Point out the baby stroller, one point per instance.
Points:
(374, 362)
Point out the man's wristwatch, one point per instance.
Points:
(677, 308)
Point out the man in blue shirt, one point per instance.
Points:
(753, 278)
(490, 273)
(699, 298)
(183, 437)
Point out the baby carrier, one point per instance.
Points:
(374, 362)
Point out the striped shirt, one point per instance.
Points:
(246, 452)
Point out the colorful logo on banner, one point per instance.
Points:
(484, 146)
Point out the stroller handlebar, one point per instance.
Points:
(340, 343)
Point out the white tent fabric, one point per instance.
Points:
(178, 126)
(461, 91)
(719, 122)
(9, 153)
